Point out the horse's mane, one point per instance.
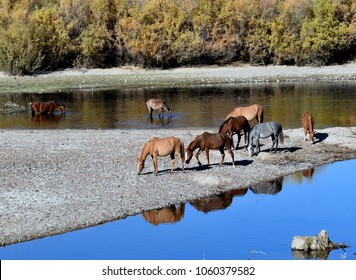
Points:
(225, 122)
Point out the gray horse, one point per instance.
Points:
(264, 130)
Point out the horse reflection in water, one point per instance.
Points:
(217, 202)
(268, 187)
(308, 173)
(171, 214)
(47, 118)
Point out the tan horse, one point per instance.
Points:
(158, 104)
(251, 112)
(236, 124)
(308, 126)
(210, 141)
(161, 147)
(47, 107)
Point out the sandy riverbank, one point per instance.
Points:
(53, 181)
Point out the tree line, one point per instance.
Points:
(45, 35)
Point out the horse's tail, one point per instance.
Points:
(281, 137)
(261, 116)
(182, 150)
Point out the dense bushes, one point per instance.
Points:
(38, 35)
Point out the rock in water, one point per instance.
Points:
(311, 243)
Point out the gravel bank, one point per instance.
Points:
(127, 77)
(54, 181)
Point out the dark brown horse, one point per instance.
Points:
(210, 141)
(47, 107)
(235, 125)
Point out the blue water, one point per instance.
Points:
(253, 226)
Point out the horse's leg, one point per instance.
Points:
(231, 135)
(222, 155)
(172, 160)
(207, 155)
(239, 139)
(274, 139)
(197, 156)
(155, 163)
(181, 157)
(258, 149)
(231, 154)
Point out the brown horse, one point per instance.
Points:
(251, 112)
(47, 107)
(161, 147)
(210, 141)
(158, 104)
(308, 125)
(235, 124)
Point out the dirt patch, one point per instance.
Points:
(53, 181)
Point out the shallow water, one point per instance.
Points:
(332, 104)
(257, 223)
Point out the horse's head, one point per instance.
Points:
(61, 106)
(140, 165)
(188, 155)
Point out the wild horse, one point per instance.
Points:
(308, 126)
(210, 141)
(47, 107)
(161, 147)
(235, 124)
(158, 104)
(251, 112)
(264, 130)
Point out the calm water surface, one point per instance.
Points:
(332, 104)
(257, 223)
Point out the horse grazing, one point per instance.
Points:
(308, 125)
(235, 124)
(161, 147)
(210, 141)
(251, 112)
(264, 130)
(47, 107)
(158, 104)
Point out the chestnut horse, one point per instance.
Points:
(158, 104)
(235, 124)
(161, 147)
(210, 141)
(47, 107)
(308, 125)
(251, 112)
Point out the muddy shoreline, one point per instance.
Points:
(54, 181)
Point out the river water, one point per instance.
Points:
(332, 104)
(256, 223)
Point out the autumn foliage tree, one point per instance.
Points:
(39, 35)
